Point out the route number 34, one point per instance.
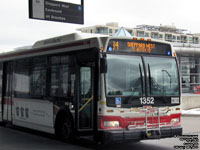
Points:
(147, 100)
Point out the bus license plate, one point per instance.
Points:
(175, 100)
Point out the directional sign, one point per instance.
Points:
(56, 11)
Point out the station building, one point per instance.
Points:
(186, 45)
(167, 33)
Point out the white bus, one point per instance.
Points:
(111, 88)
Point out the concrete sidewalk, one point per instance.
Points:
(191, 112)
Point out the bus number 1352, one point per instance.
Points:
(147, 100)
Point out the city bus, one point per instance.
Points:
(113, 89)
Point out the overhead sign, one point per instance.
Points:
(52, 10)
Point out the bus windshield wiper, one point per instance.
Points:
(149, 70)
(141, 78)
(170, 77)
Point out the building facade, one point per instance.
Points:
(189, 66)
(167, 33)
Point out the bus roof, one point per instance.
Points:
(56, 42)
(65, 38)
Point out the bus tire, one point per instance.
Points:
(64, 128)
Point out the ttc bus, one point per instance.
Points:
(114, 89)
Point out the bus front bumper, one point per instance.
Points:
(136, 135)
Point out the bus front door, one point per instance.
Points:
(85, 99)
(7, 92)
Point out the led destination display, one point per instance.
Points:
(139, 46)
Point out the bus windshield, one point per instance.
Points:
(125, 76)
(162, 76)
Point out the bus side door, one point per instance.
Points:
(1, 83)
(87, 93)
(7, 91)
(85, 99)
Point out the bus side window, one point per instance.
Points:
(62, 78)
(59, 77)
(38, 72)
(21, 85)
(21, 79)
(59, 80)
(38, 82)
(29, 79)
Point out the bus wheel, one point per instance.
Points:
(66, 130)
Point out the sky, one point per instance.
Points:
(16, 29)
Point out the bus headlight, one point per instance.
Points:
(111, 123)
(175, 120)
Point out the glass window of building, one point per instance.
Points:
(190, 74)
(140, 33)
(146, 34)
(102, 30)
(190, 39)
(195, 40)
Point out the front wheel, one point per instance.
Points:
(65, 130)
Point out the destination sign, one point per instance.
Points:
(56, 11)
(139, 46)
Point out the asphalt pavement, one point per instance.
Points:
(191, 112)
(12, 139)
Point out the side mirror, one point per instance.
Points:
(103, 65)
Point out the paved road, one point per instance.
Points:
(11, 139)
